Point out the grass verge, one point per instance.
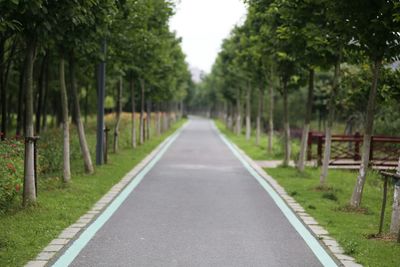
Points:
(352, 229)
(25, 232)
(258, 152)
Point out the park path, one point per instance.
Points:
(198, 206)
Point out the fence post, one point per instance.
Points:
(309, 146)
(357, 146)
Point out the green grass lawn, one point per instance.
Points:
(258, 152)
(350, 229)
(25, 232)
(329, 207)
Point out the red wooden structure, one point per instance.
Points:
(346, 149)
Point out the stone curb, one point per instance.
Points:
(318, 231)
(68, 235)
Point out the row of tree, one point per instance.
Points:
(39, 38)
(286, 45)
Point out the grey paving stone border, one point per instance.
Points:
(68, 235)
(330, 244)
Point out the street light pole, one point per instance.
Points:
(101, 88)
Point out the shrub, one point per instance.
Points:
(11, 171)
(50, 150)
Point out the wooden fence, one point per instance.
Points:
(346, 149)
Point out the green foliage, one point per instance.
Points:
(350, 229)
(258, 152)
(50, 156)
(59, 205)
(11, 171)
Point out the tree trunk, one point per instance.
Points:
(169, 115)
(7, 108)
(29, 194)
(3, 91)
(248, 111)
(286, 125)
(148, 119)
(86, 104)
(307, 119)
(46, 92)
(78, 120)
(259, 114)
(271, 118)
(395, 222)
(133, 106)
(158, 120)
(358, 189)
(41, 86)
(141, 121)
(65, 123)
(118, 114)
(163, 127)
(331, 117)
(238, 117)
(21, 92)
(231, 110)
(181, 110)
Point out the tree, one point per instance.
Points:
(118, 111)
(376, 34)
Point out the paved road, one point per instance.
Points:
(198, 206)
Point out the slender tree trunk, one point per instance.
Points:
(133, 106)
(286, 125)
(230, 116)
(259, 114)
(238, 117)
(21, 92)
(169, 115)
(331, 117)
(158, 120)
(118, 111)
(248, 112)
(307, 119)
(181, 110)
(141, 121)
(46, 92)
(29, 194)
(10, 109)
(3, 91)
(226, 118)
(7, 107)
(86, 103)
(148, 121)
(41, 86)
(165, 118)
(78, 120)
(271, 118)
(395, 222)
(358, 189)
(65, 123)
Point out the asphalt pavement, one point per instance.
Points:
(198, 206)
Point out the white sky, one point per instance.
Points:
(203, 24)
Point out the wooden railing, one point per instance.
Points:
(346, 149)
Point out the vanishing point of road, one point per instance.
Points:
(197, 206)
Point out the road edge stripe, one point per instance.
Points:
(79, 244)
(322, 255)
